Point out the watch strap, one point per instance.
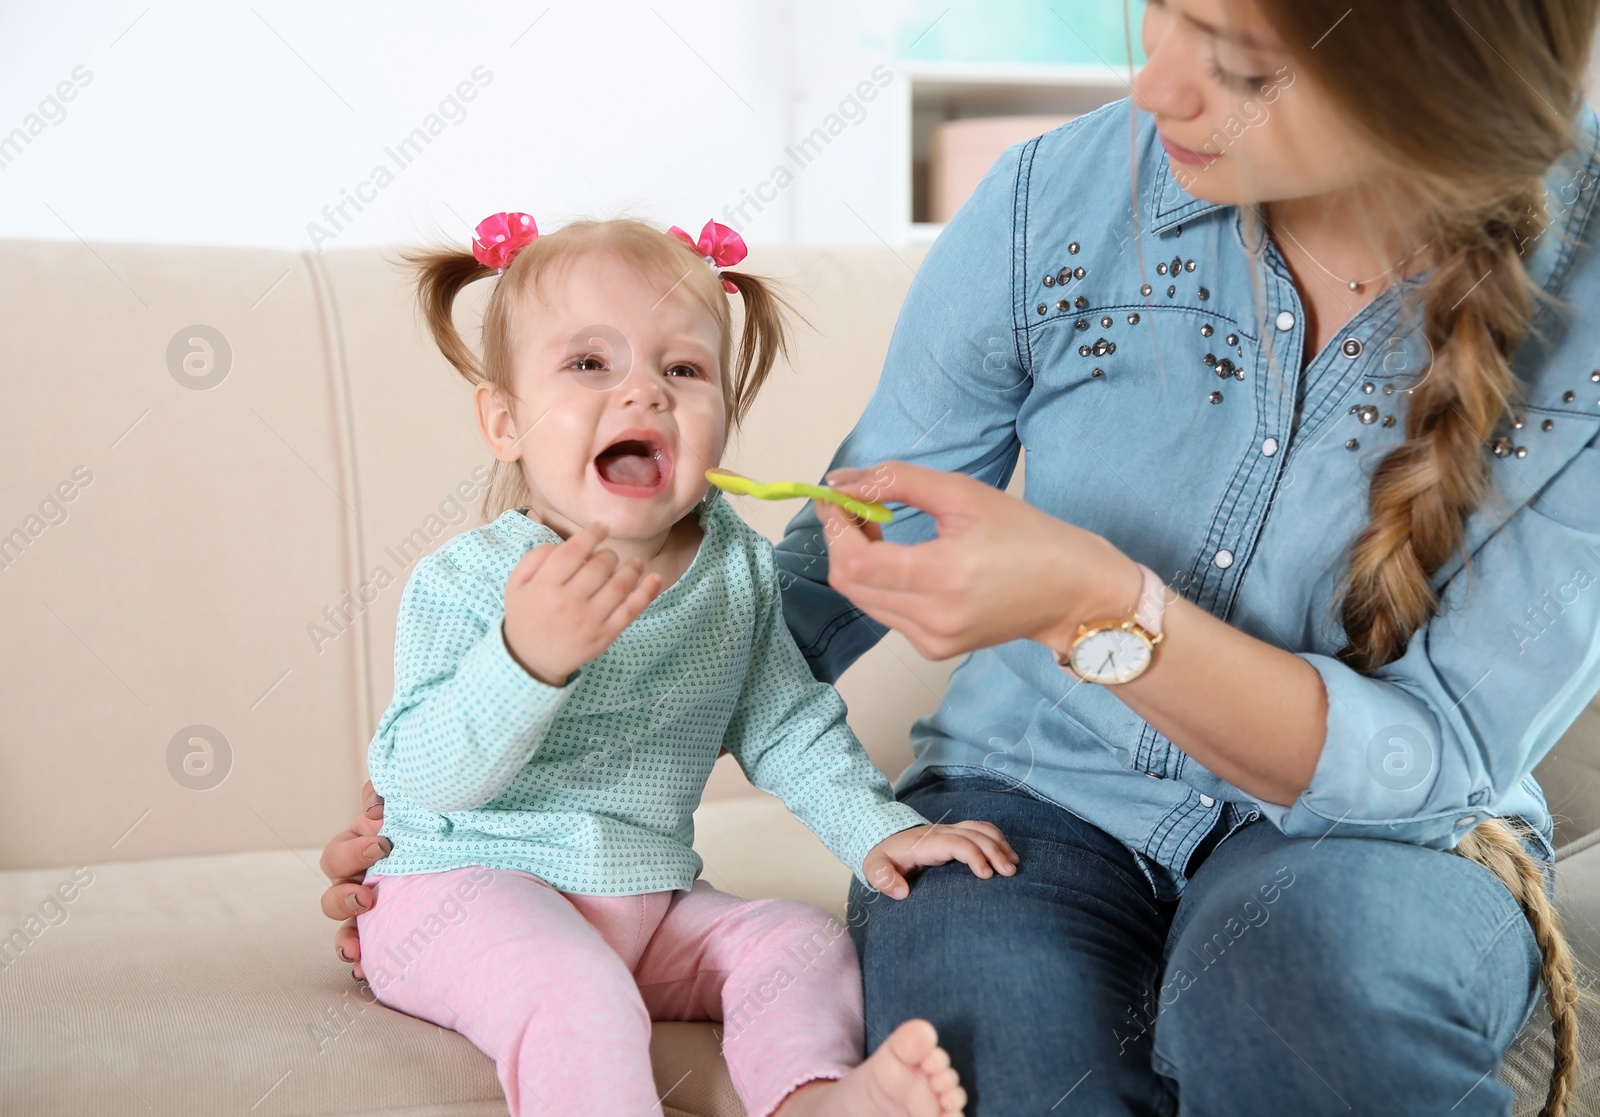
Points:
(1152, 605)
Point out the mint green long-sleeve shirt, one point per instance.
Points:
(592, 786)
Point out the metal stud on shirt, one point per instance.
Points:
(1203, 293)
(1062, 305)
(1080, 302)
(1502, 447)
(1351, 347)
(1043, 309)
(1368, 415)
(1206, 330)
(1216, 397)
(1176, 265)
(1352, 445)
(1064, 277)
(1049, 281)
(1570, 396)
(1072, 248)
(1083, 350)
(1146, 289)
(1105, 322)
(1133, 319)
(1548, 424)
(1078, 272)
(1232, 340)
(1188, 265)
(1161, 268)
(1171, 291)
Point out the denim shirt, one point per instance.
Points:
(1146, 357)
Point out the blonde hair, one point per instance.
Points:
(1435, 87)
(442, 274)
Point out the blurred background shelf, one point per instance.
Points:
(960, 116)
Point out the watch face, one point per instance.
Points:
(1112, 655)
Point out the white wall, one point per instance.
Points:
(238, 124)
(230, 123)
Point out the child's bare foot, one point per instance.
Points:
(909, 1075)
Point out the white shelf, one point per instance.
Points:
(936, 92)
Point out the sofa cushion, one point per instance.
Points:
(208, 985)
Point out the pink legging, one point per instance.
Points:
(559, 989)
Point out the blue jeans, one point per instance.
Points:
(1337, 976)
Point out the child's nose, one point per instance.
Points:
(643, 390)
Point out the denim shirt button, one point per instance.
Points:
(1223, 559)
(1466, 820)
(1285, 320)
(1269, 447)
(1207, 801)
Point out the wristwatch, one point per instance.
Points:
(1120, 650)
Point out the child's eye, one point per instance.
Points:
(685, 370)
(587, 364)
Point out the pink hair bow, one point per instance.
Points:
(501, 237)
(720, 245)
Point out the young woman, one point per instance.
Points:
(1298, 342)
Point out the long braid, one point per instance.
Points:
(1478, 306)
(1495, 845)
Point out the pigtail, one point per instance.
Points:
(441, 274)
(765, 338)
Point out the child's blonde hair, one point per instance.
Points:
(443, 273)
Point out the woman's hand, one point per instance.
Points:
(978, 845)
(999, 570)
(345, 861)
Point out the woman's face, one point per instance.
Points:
(1239, 123)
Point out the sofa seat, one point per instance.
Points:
(139, 993)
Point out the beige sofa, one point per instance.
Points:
(198, 587)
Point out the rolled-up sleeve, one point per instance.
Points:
(1425, 747)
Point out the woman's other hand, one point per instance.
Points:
(999, 570)
(345, 861)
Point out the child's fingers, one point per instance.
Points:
(530, 563)
(617, 587)
(595, 572)
(962, 848)
(882, 875)
(995, 853)
(572, 554)
(634, 604)
(992, 842)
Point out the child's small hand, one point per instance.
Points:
(566, 602)
(979, 845)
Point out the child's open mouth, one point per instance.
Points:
(636, 464)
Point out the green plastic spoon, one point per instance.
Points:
(732, 482)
